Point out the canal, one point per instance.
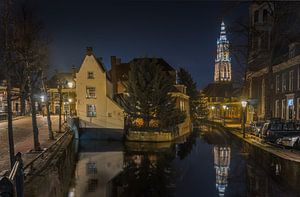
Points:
(207, 163)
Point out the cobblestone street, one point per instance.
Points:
(23, 138)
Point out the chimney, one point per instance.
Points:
(113, 60)
(113, 73)
(89, 50)
(74, 71)
(118, 61)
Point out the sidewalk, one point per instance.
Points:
(14, 118)
(288, 154)
(23, 138)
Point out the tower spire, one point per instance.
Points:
(222, 62)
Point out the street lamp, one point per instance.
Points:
(224, 108)
(244, 105)
(42, 98)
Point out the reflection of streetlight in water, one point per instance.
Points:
(221, 163)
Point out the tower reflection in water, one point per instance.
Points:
(222, 164)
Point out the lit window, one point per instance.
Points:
(90, 92)
(90, 75)
(91, 110)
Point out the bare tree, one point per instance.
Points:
(7, 63)
(31, 49)
(45, 90)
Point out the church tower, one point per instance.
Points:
(223, 61)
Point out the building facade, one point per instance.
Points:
(286, 79)
(258, 77)
(94, 90)
(271, 86)
(16, 102)
(62, 85)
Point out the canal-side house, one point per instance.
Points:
(285, 103)
(119, 76)
(271, 82)
(258, 70)
(94, 90)
(62, 84)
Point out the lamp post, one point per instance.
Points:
(224, 109)
(244, 105)
(213, 112)
(59, 89)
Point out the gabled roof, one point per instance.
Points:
(89, 52)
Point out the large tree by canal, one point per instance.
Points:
(149, 103)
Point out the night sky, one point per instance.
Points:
(183, 33)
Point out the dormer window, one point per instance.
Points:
(256, 15)
(90, 75)
(265, 15)
(292, 50)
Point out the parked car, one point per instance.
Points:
(256, 128)
(272, 131)
(290, 141)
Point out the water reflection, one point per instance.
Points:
(95, 169)
(207, 163)
(144, 174)
(221, 163)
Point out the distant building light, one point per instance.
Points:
(70, 84)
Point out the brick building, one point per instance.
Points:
(273, 43)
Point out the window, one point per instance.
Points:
(263, 88)
(90, 75)
(298, 108)
(90, 92)
(277, 84)
(298, 79)
(91, 110)
(264, 40)
(256, 16)
(181, 105)
(292, 51)
(283, 82)
(265, 15)
(91, 168)
(277, 109)
(283, 109)
(56, 95)
(291, 80)
(255, 43)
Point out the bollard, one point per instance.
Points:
(6, 187)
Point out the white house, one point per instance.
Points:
(95, 106)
